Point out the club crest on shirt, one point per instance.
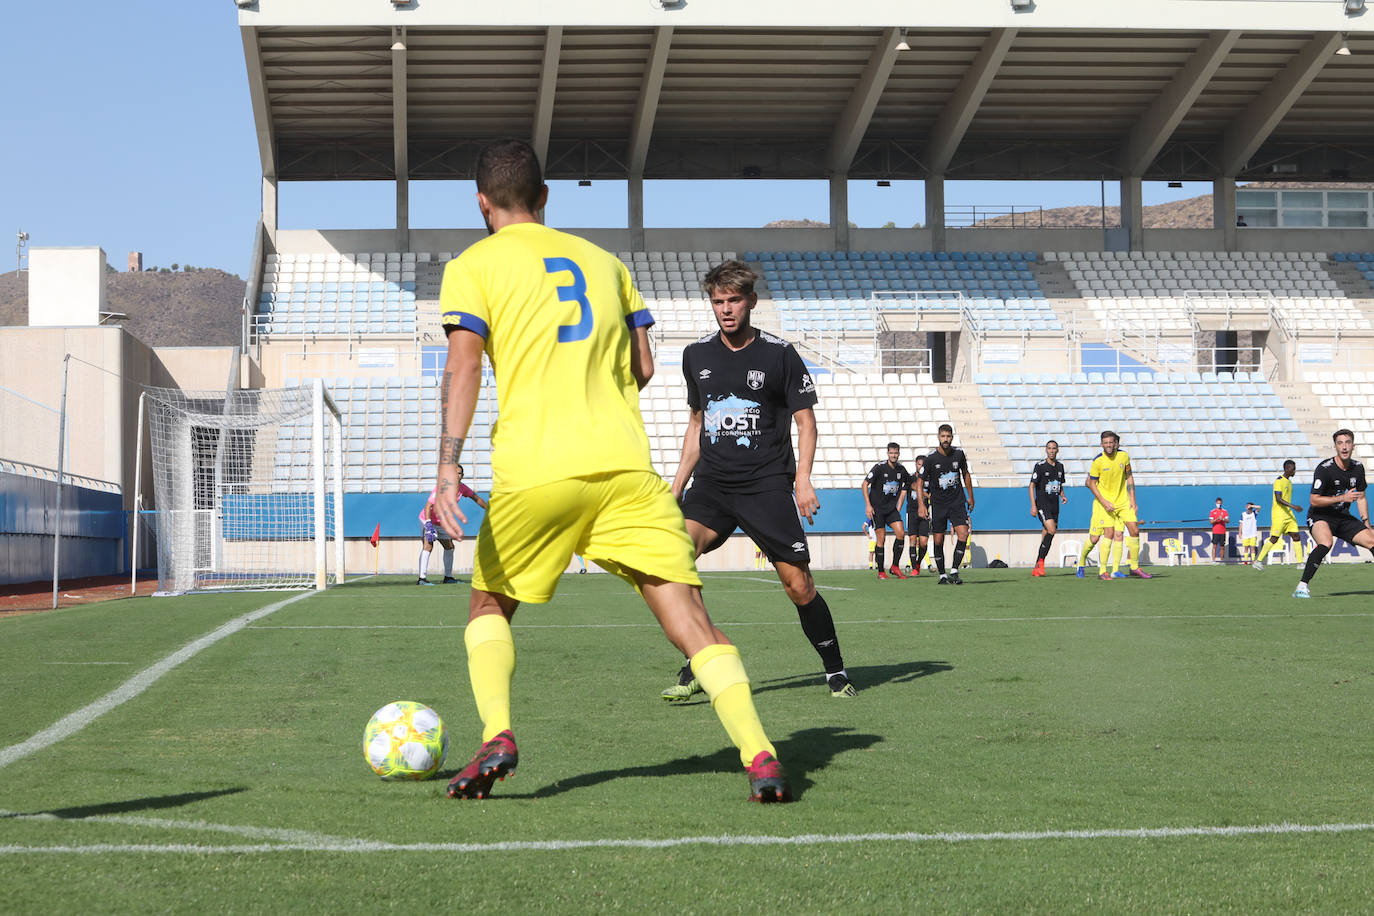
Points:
(754, 379)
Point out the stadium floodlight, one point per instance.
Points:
(244, 3)
(584, 183)
(884, 183)
(902, 45)
(1354, 7)
(1020, 6)
(1344, 49)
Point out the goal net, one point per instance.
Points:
(248, 487)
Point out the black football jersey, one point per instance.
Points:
(747, 398)
(886, 483)
(1329, 479)
(1049, 481)
(944, 477)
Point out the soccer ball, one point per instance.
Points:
(405, 740)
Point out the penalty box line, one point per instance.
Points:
(336, 845)
(74, 722)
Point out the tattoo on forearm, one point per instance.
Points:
(443, 403)
(450, 449)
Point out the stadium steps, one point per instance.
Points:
(1053, 279)
(976, 432)
(1352, 282)
(1309, 413)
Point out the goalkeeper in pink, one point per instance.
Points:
(431, 532)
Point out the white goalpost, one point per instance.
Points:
(248, 488)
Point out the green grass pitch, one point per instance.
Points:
(1009, 739)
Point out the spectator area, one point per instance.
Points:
(1178, 429)
(355, 294)
(1347, 397)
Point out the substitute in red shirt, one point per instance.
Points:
(1219, 518)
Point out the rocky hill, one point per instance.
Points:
(196, 307)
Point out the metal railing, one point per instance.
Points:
(994, 216)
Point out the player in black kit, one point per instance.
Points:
(1337, 482)
(745, 387)
(917, 527)
(1046, 495)
(884, 489)
(950, 485)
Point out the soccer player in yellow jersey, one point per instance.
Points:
(1114, 509)
(1283, 517)
(567, 336)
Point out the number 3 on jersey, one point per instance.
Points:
(573, 292)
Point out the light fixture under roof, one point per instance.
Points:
(1344, 49)
(902, 45)
(1354, 7)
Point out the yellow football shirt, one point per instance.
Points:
(556, 313)
(1280, 513)
(1110, 474)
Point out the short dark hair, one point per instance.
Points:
(1290, 463)
(945, 426)
(1218, 499)
(1342, 432)
(731, 276)
(509, 174)
(1052, 442)
(460, 470)
(1106, 433)
(894, 445)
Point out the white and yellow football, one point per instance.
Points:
(405, 740)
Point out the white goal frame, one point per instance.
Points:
(266, 484)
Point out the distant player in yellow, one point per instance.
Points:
(1283, 516)
(567, 336)
(1114, 509)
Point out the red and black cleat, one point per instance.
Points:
(767, 781)
(495, 760)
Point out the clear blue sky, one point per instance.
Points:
(127, 125)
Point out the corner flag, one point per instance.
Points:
(376, 535)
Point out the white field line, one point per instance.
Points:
(331, 845)
(88, 663)
(1104, 618)
(74, 722)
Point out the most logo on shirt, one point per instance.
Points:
(732, 416)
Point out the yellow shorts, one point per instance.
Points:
(1116, 520)
(623, 521)
(1284, 526)
(1250, 542)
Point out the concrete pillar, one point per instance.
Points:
(635, 199)
(1224, 210)
(839, 211)
(1132, 212)
(402, 214)
(935, 211)
(269, 208)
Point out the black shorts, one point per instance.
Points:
(1345, 527)
(886, 518)
(916, 527)
(942, 517)
(1218, 540)
(769, 517)
(1048, 512)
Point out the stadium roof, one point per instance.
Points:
(1065, 89)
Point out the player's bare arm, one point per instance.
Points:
(1031, 490)
(1130, 488)
(1278, 498)
(922, 510)
(808, 504)
(691, 454)
(461, 383)
(1346, 498)
(868, 506)
(641, 357)
(968, 488)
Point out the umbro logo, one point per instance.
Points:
(798, 546)
(704, 374)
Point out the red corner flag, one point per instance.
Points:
(376, 534)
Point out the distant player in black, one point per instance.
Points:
(1337, 482)
(950, 485)
(1046, 495)
(745, 387)
(917, 527)
(884, 489)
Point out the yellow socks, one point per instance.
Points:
(1133, 551)
(491, 664)
(1264, 551)
(1104, 555)
(1087, 549)
(720, 673)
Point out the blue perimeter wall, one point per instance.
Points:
(842, 511)
(94, 528)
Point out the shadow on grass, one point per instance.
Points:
(864, 677)
(387, 580)
(804, 752)
(152, 803)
